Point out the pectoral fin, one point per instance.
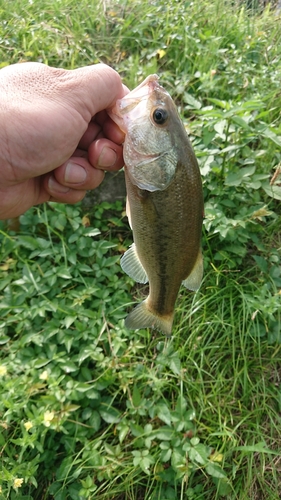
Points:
(128, 212)
(132, 266)
(193, 280)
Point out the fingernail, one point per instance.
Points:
(74, 174)
(107, 157)
(56, 186)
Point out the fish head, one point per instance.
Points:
(150, 121)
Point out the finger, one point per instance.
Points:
(73, 196)
(106, 155)
(113, 132)
(101, 127)
(80, 153)
(109, 128)
(76, 174)
(90, 135)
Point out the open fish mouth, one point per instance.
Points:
(144, 88)
(125, 105)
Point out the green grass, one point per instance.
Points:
(88, 409)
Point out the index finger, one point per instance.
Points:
(109, 128)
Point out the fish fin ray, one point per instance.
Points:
(128, 212)
(132, 265)
(143, 317)
(193, 280)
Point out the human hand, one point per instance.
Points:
(56, 138)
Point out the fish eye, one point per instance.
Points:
(160, 116)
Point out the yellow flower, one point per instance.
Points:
(48, 417)
(18, 482)
(86, 221)
(160, 53)
(44, 375)
(3, 370)
(28, 425)
(216, 457)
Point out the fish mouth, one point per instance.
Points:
(130, 101)
(144, 88)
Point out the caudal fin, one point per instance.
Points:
(143, 317)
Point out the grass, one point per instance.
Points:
(89, 410)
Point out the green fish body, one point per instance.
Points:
(164, 203)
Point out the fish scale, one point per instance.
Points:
(165, 203)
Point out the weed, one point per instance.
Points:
(88, 409)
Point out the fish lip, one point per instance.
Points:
(131, 100)
(150, 80)
(142, 91)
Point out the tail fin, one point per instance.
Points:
(143, 317)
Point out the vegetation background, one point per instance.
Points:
(89, 410)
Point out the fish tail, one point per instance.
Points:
(143, 317)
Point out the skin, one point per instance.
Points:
(56, 138)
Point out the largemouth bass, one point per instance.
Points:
(164, 203)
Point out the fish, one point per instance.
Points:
(164, 203)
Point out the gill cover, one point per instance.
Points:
(149, 152)
(152, 173)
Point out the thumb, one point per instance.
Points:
(92, 88)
